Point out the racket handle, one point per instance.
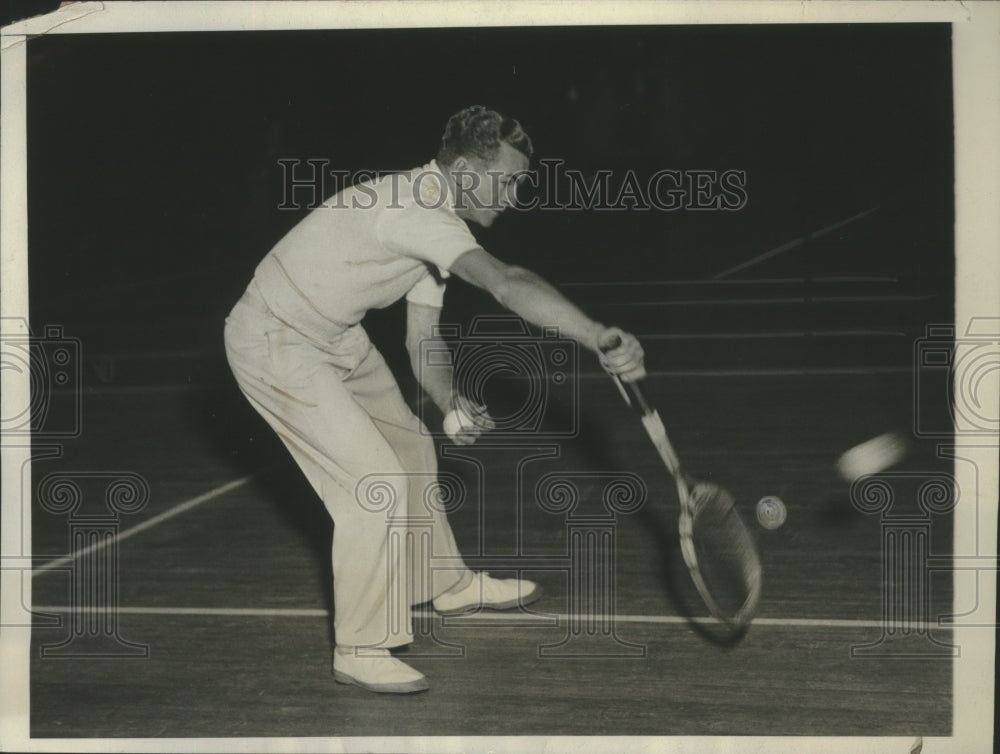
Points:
(631, 391)
(636, 397)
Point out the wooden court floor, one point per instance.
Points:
(223, 628)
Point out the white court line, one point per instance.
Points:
(765, 372)
(148, 524)
(693, 372)
(714, 282)
(796, 243)
(773, 335)
(679, 303)
(217, 611)
(488, 617)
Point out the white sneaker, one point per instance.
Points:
(376, 670)
(487, 592)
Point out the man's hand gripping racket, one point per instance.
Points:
(716, 545)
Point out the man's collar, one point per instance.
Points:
(432, 188)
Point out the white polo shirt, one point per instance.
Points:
(365, 248)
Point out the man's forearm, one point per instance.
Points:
(531, 297)
(434, 378)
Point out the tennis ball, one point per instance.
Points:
(771, 512)
(871, 456)
(455, 421)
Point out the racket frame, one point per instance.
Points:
(653, 424)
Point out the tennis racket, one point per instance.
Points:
(716, 545)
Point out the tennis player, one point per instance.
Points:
(302, 358)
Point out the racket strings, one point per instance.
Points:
(726, 567)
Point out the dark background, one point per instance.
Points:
(154, 187)
(154, 181)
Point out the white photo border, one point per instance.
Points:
(976, 81)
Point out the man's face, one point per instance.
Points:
(484, 190)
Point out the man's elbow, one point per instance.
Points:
(507, 285)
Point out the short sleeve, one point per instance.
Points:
(431, 234)
(429, 291)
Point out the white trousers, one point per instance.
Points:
(339, 411)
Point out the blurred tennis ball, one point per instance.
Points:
(871, 456)
(771, 512)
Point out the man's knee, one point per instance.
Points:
(382, 492)
(418, 453)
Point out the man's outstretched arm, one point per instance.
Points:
(529, 296)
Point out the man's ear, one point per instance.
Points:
(463, 169)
